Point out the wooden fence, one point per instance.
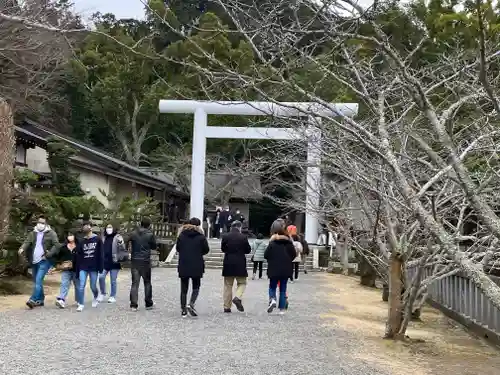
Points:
(459, 298)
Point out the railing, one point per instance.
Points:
(165, 230)
(462, 300)
(161, 230)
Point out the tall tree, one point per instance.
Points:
(33, 49)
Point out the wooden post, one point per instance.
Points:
(7, 160)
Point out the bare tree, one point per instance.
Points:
(410, 147)
(33, 50)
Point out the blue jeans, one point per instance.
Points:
(113, 275)
(273, 285)
(68, 277)
(83, 282)
(39, 271)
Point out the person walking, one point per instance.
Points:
(279, 255)
(191, 246)
(66, 263)
(305, 251)
(225, 219)
(89, 264)
(235, 246)
(39, 247)
(113, 248)
(142, 241)
(298, 259)
(258, 248)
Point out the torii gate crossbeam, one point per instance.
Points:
(201, 132)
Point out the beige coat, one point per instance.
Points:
(299, 250)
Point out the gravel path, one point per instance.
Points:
(113, 340)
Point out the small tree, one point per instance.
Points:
(124, 213)
(64, 182)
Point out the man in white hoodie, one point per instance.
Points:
(40, 246)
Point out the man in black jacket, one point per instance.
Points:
(235, 246)
(142, 241)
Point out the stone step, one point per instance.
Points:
(219, 266)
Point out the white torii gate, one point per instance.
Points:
(201, 109)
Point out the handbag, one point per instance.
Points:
(67, 265)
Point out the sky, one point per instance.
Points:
(120, 8)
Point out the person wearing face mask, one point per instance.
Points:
(238, 216)
(113, 248)
(66, 263)
(89, 263)
(40, 246)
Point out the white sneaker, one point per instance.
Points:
(95, 303)
(100, 298)
(60, 303)
(79, 308)
(282, 312)
(272, 306)
(111, 300)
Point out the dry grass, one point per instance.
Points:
(446, 345)
(14, 292)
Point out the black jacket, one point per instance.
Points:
(66, 254)
(238, 217)
(142, 241)
(191, 246)
(305, 245)
(225, 218)
(89, 254)
(279, 255)
(235, 245)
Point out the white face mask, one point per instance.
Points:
(109, 230)
(40, 227)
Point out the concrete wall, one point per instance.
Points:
(36, 159)
(91, 181)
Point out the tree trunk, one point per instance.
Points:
(6, 165)
(395, 316)
(412, 296)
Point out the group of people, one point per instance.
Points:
(92, 257)
(87, 256)
(223, 219)
(282, 253)
(259, 247)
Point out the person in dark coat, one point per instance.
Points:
(112, 245)
(235, 246)
(217, 226)
(142, 242)
(66, 263)
(191, 246)
(279, 254)
(305, 251)
(225, 219)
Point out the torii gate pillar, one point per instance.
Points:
(201, 109)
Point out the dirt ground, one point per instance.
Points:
(14, 292)
(447, 345)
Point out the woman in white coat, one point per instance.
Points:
(298, 259)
